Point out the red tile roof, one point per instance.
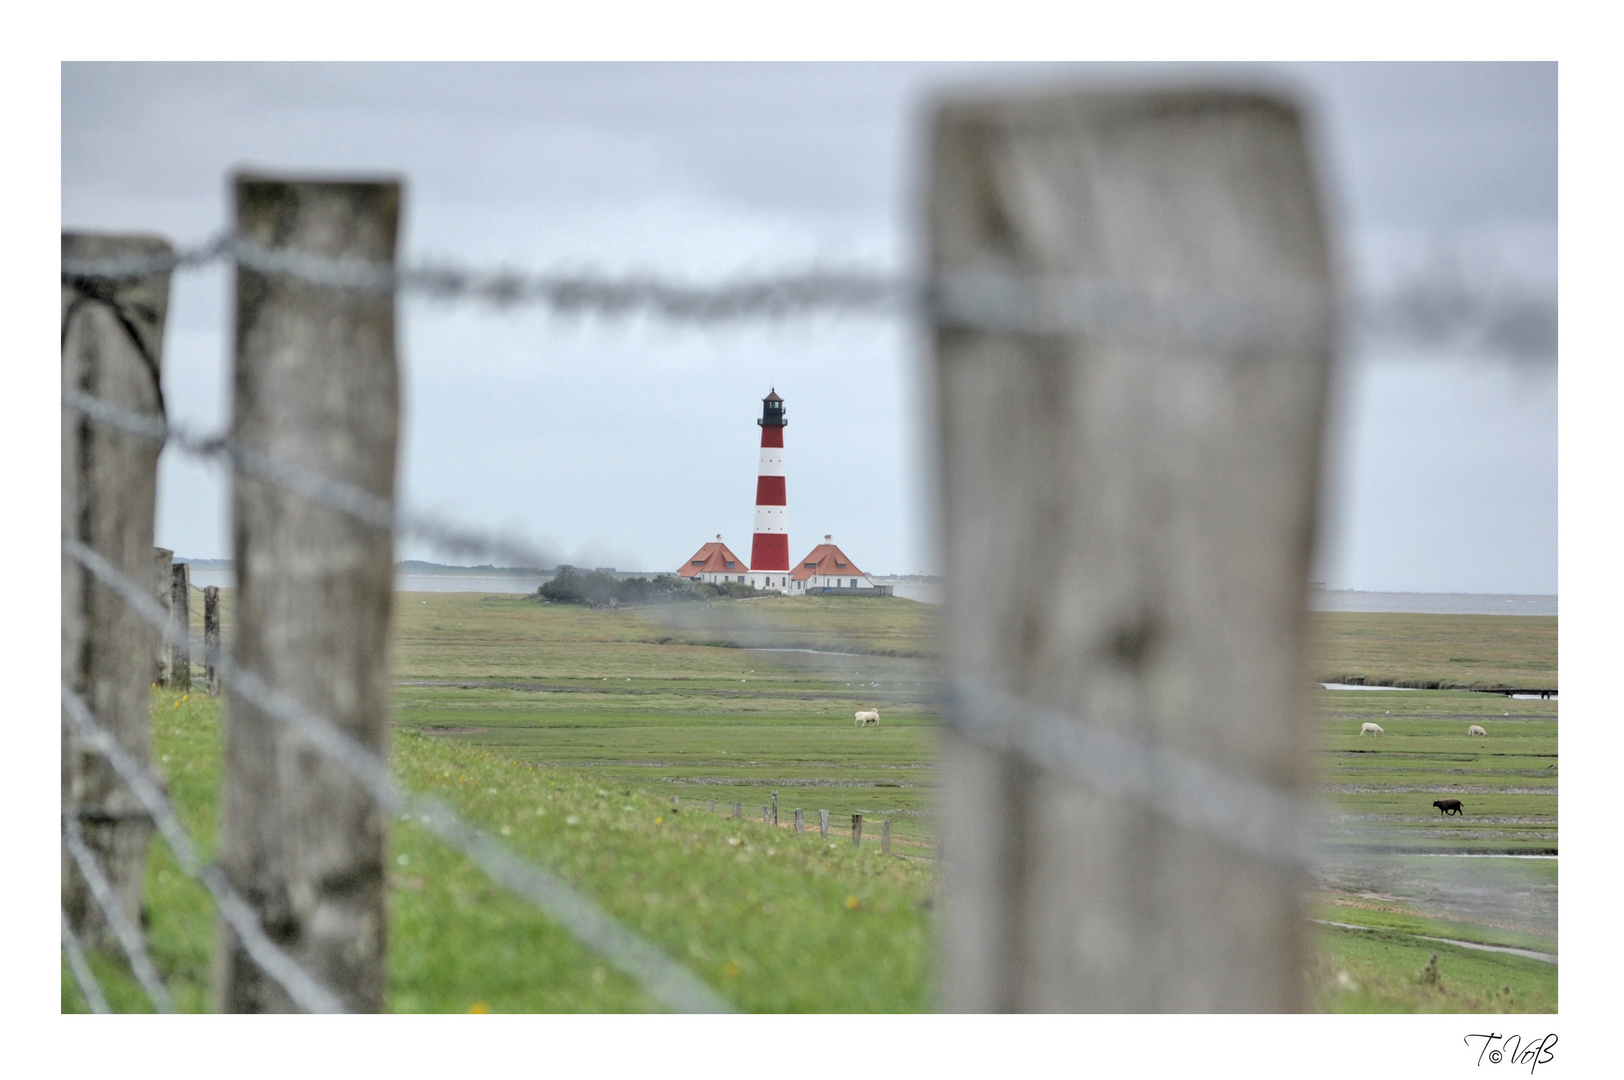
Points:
(825, 559)
(713, 558)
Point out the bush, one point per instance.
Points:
(596, 589)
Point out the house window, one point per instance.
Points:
(730, 564)
(854, 583)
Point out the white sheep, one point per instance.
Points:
(1371, 729)
(868, 716)
(1475, 730)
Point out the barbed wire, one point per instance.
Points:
(669, 982)
(1248, 814)
(134, 946)
(1439, 312)
(769, 295)
(82, 975)
(346, 498)
(305, 989)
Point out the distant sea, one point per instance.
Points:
(451, 579)
(460, 579)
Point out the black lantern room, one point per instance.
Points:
(772, 411)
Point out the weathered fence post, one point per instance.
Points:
(317, 388)
(1133, 328)
(856, 830)
(800, 820)
(211, 637)
(738, 810)
(112, 338)
(180, 612)
(766, 815)
(163, 589)
(823, 824)
(885, 837)
(775, 808)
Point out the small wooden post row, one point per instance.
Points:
(211, 638)
(180, 613)
(163, 590)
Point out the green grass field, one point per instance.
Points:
(1435, 652)
(775, 920)
(568, 731)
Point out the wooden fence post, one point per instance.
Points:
(738, 810)
(112, 347)
(823, 824)
(180, 612)
(710, 806)
(800, 820)
(316, 387)
(885, 837)
(856, 830)
(1133, 329)
(775, 808)
(163, 588)
(211, 637)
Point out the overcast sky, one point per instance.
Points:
(631, 443)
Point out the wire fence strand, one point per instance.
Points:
(306, 991)
(129, 939)
(672, 984)
(1450, 310)
(1245, 813)
(766, 296)
(80, 966)
(356, 502)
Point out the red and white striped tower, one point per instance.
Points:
(769, 550)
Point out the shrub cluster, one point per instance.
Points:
(597, 589)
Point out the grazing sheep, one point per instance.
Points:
(1371, 729)
(1475, 730)
(1448, 806)
(869, 716)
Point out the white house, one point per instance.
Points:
(714, 564)
(827, 568)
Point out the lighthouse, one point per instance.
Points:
(769, 550)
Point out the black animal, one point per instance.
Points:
(1448, 806)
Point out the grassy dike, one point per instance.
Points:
(1437, 652)
(774, 920)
